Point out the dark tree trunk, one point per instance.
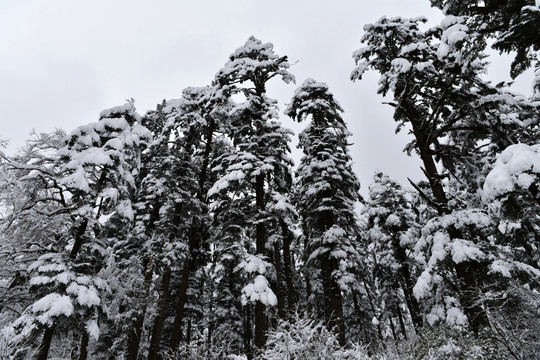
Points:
(278, 288)
(188, 332)
(401, 322)
(43, 350)
(134, 334)
(407, 284)
(78, 239)
(288, 267)
(83, 355)
(393, 328)
(260, 308)
(332, 298)
(160, 316)
(469, 296)
(247, 332)
(182, 291)
(370, 299)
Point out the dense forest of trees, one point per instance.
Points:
(189, 233)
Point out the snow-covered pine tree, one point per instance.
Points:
(435, 80)
(390, 234)
(256, 171)
(326, 195)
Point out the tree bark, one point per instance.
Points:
(279, 274)
(287, 264)
(332, 298)
(407, 284)
(83, 355)
(260, 308)
(134, 335)
(401, 322)
(247, 332)
(160, 317)
(182, 291)
(43, 350)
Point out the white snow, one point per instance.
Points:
(517, 167)
(259, 290)
(52, 305)
(86, 296)
(464, 250)
(456, 317)
(93, 329)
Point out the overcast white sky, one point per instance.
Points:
(63, 61)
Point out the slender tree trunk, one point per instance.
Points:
(260, 315)
(188, 332)
(407, 284)
(78, 239)
(83, 355)
(43, 350)
(182, 291)
(247, 332)
(160, 316)
(288, 265)
(401, 322)
(372, 305)
(279, 274)
(393, 328)
(134, 335)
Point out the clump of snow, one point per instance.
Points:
(454, 32)
(259, 290)
(254, 264)
(464, 250)
(501, 267)
(52, 305)
(393, 220)
(86, 295)
(456, 317)
(423, 285)
(517, 167)
(93, 329)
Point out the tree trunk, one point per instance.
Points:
(247, 332)
(332, 298)
(288, 265)
(279, 274)
(43, 349)
(372, 305)
(260, 308)
(83, 355)
(134, 334)
(182, 291)
(469, 296)
(393, 328)
(407, 284)
(401, 322)
(78, 239)
(160, 316)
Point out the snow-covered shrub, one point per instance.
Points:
(303, 339)
(444, 342)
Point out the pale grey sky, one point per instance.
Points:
(63, 61)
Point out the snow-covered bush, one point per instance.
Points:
(303, 339)
(448, 343)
